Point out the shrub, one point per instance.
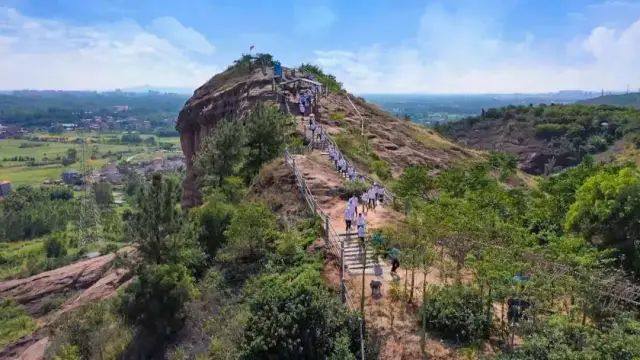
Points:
(328, 80)
(550, 130)
(293, 316)
(55, 246)
(213, 218)
(354, 188)
(14, 322)
(414, 182)
(337, 116)
(382, 169)
(457, 312)
(155, 300)
(93, 331)
(559, 338)
(596, 143)
(252, 228)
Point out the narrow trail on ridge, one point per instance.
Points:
(395, 321)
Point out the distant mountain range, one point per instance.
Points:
(631, 99)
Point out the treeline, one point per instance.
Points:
(42, 108)
(542, 261)
(30, 212)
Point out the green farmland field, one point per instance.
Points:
(20, 173)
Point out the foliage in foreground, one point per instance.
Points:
(559, 338)
(155, 300)
(457, 312)
(294, 316)
(14, 322)
(94, 331)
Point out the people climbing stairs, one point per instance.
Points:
(356, 250)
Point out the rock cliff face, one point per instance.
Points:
(226, 95)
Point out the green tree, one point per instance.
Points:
(102, 193)
(157, 225)
(30, 212)
(414, 184)
(457, 312)
(293, 316)
(268, 130)
(70, 157)
(253, 227)
(222, 152)
(213, 217)
(55, 246)
(608, 205)
(156, 298)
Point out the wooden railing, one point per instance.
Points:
(333, 243)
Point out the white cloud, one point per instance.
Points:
(44, 54)
(180, 35)
(457, 52)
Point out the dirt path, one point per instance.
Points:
(390, 315)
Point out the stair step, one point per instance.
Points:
(356, 266)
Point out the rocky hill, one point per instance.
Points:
(548, 138)
(394, 143)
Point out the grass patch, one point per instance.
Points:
(337, 116)
(359, 151)
(428, 137)
(14, 323)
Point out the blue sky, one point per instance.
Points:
(382, 46)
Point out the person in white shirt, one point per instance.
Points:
(353, 201)
(341, 165)
(361, 224)
(349, 213)
(365, 201)
(371, 194)
(350, 173)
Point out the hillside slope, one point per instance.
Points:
(394, 143)
(632, 100)
(547, 138)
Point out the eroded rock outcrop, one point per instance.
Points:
(80, 283)
(226, 95)
(32, 292)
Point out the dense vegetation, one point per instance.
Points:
(227, 273)
(631, 99)
(42, 108)
(545, 257)
(568, 131)
(241, 147)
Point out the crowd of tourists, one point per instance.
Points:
(306, 101)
